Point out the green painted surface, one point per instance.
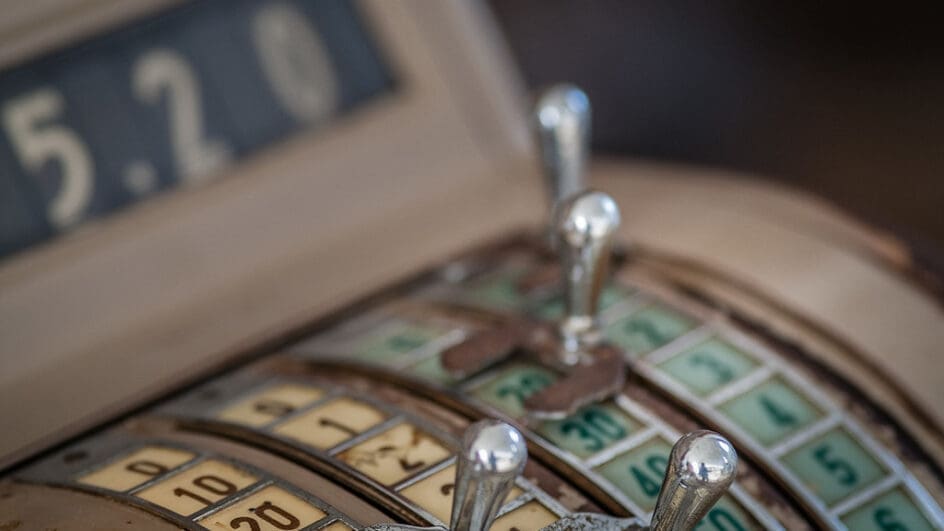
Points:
(834, 466)
(892, 511)
(553, 309)
(431, 369)
(771, 411)
(648, 329)
(708, 366)
(728, 515)
(393, 340)
(508, 391)
(498, 291)
(638, 473)
(589, 430)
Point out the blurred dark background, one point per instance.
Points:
(843, 100)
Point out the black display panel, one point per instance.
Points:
(170, 101)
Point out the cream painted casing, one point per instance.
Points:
(127, 308)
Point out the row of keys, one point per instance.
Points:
(618, 444)
(584, 439)
(404, 455)
(397, 339)
(497, 289)
(776, 415)
(399, 336)
(208, 490)
(746, 390)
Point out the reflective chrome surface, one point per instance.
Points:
(562, 121)
(585, 224)
(493, 454)
(702, 466)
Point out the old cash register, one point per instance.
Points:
(324, 265)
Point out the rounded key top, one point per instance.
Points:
(493, 454)
(702, 466)
(562, 121)
(585, 224)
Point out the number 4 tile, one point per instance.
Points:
(771, 411)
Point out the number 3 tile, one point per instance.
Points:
(590, 430)
(708, 366)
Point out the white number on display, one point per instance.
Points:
(295, 63)
(164, 71)
(37, 141)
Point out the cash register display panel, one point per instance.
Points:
(356, 419)
(170, 101)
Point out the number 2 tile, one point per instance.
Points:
(513, 386)
(434, 493)
(396, 454)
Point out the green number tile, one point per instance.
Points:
(771, 411)
(892, 511)
(708, 366)
(638, 473)
(395, 339)
(431, 369)
(834, 466)
(550, 310)
(648, 329)
(498, 291)
(553, 308)
(590, 430)
(513, 385)
(727, 515)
